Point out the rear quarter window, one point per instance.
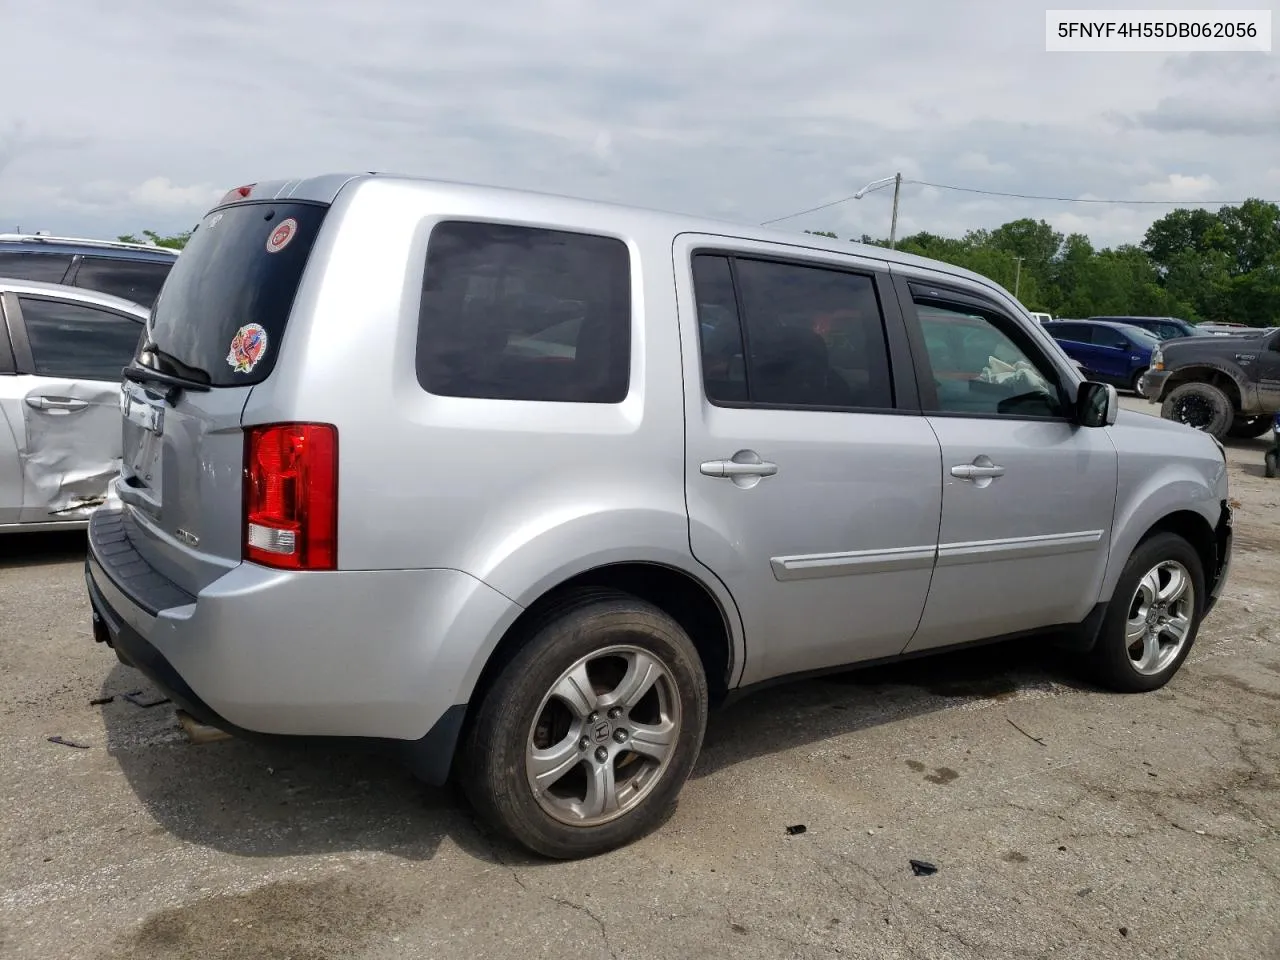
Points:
(524, 313)
(136, 280)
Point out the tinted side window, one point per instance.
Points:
(724, 369)
(1073, 332)
(136, 280)
(1110, 337)
(814, 336)
(521, 313)
(980, 369)
(78, 342)
(44, 267)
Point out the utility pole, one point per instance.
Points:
(893, 224)
(1017, 276)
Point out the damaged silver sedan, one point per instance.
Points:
(62, 350)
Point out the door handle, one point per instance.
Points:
(732, 468)
(56, 403)
(973, 471)
(981, 473)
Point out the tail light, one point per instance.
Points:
(291, 496)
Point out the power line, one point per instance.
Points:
(1017, 196)
(1033, 196)
(801, 213)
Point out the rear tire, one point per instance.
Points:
(1249, 428)
(601, 674)
(1269, 465)
(1200, 405)
(1153, 617)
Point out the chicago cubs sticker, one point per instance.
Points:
(247, 347)
(280, 237)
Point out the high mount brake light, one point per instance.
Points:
(238, 193)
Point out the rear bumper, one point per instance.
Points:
(367, 658)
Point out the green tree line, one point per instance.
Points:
(174, 242)
(1191, 263)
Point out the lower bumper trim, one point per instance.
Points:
(429, 758)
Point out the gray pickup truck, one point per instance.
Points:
(1225, 386)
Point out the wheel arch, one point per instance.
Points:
(1192, 525)
(701, 605)
(1228, 381)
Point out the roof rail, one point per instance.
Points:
(108, 244)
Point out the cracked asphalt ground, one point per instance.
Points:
(1064, 822)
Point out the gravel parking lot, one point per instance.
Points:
(1064, 822)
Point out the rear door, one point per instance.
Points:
(67, 393)
(12, 429)
(217, 325)
(1028, 495)
(812, 480)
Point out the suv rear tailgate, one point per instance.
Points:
(214, 333)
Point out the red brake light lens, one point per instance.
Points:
(237, 193)
(291, 496)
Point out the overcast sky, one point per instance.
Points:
(118, 116)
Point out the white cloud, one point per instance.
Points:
(1180, 186)
(742, 108)
(973, 162)
(158, 193)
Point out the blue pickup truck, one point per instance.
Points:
(1115, 353)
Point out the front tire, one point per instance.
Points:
(1139, 384)
(1200, 405)
(1154, 615)
(1269, 465)
(584, 739)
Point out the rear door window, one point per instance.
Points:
(522, 313)
(136, 280)
(223, 310)
(1110, 337)
(76, 341)
(43, 267)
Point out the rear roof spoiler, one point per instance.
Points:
(323, 189)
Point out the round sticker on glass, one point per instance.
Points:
(247, 347)
(281, 235)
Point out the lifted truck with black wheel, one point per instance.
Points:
(1225, 386)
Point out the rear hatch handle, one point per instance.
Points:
(134, 497)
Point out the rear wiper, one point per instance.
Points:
(143, 375)
(178, 368)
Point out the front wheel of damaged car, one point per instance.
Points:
(1153, 616)
(583, 740)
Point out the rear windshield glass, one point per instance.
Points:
(223, 308)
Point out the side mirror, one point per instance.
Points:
(1097, 404)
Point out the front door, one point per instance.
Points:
(813, 490)
(1113, 350)
(1027, 496)
(70, 357)
(1266, 373)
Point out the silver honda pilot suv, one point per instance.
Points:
(519, 486)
